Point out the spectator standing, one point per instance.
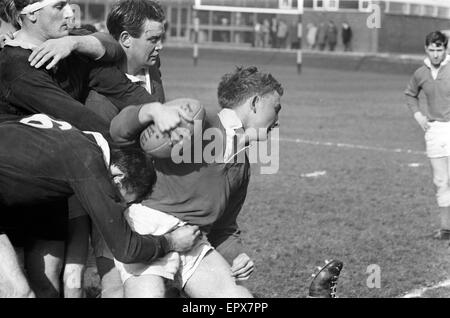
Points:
(347, 35)
(258, 42)
(311, 35)
(332, 35)
(266, 32)
(321, 36)
(282, 34)
(273, 32)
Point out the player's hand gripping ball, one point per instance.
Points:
(158, 144)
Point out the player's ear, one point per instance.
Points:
(125, 39)
(254, 102)
(32, 16)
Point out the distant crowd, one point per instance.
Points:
(277, 33)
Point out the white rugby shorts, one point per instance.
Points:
(173, 266)
(437, 139)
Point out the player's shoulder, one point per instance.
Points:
(10, 55)
(421, 71)
(14, 63)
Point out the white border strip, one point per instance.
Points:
(248, 10)
(351, 146)
(420, 291)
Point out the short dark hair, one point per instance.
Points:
(139, 174)
(20, 4)
(130, 16)
(234, 88)
(438, 38)
(8, 12)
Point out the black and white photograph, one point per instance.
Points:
(225, 149)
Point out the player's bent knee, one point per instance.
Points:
(146, 286)
(16, 289)
(112, 286)
(237, 292)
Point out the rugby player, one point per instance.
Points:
(208, 195)
(60, 91)
(433, 78)
(43, 159)
(137, 27)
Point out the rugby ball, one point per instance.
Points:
(158, 144)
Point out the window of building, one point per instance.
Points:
(203, 16)
(348, 4)
(364, 5)
(398, 8)
(443, 12)
(285, 4)
(221, 18)
(416, 9)
(242, 19)
(332, 5)
(318, 4)
(430, 11)
(308, 3)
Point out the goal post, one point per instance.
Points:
(276, 7)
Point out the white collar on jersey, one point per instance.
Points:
(147, 80)
(231, 122)
(435, 71)
(430, 66)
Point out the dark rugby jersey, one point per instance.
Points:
(208, 195)
(42, 160)
(61, 93)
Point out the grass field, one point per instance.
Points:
(374, 204)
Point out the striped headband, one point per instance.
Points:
(37, 6)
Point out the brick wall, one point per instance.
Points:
(364, 39)
(406, 34)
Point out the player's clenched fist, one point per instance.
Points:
(183, 238)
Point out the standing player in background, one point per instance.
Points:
(433, 78)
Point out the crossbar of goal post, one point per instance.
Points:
(284, 7)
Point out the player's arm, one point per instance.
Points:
(109, 81)
(225, 237)
(412, 94)
(36, 92)
(102, 202)
(97, 46)
(412, 101)
(77, 247)
(132, 120)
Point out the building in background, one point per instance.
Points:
(402, 26)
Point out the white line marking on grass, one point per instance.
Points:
(415, 165)
(314, 174)
(351, 146)
(420, 291)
